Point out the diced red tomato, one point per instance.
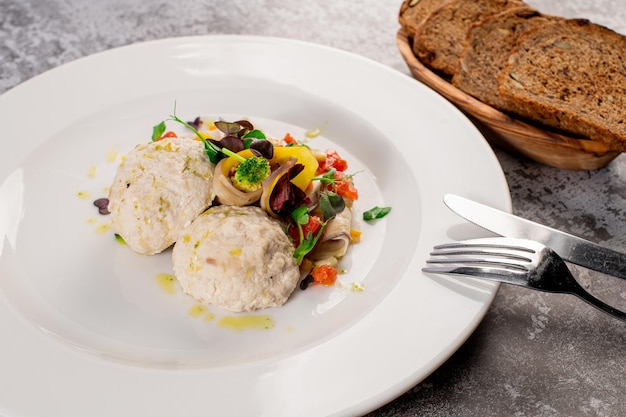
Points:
(333, 160)
(289, 140)
(344, 186)
(313, 226)
(325, 275)
(347, 189)
(168, 134)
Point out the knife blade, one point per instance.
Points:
(571, 248)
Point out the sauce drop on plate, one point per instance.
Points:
(167, 283)
(246, 322)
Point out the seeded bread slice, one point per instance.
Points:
(439, 40)
(570, 75)
(414, 12)
(487, 49)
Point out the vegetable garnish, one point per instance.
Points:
(303, 224)
(339, 183)
(325, 275)
(301, 218)
(212, 151)
(119, 239)
(303, 156)
(333, 160)
(103, 205)
(328, 178)
(306, 282)
(289, 140)
(286, 196)
(239, 135)
(158, 130)
(331, 204)
(376, 213)
(251, 172)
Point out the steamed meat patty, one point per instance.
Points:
(237, 258)
(159, 188)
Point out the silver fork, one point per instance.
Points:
(513, 261)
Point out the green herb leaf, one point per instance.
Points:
(256, 134)
(158, 130)
(331, 204)
(376, 213)
(307, 245)
(327, 178)
(212, 151)
(300, 215)
(209, 149)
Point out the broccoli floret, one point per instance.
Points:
(250, 174)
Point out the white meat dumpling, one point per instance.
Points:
(159, 188)
(237, 258)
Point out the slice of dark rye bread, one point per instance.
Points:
(439, 40)
(570, 75)
(487, 48)
(414, 12)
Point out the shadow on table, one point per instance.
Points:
(534, 354)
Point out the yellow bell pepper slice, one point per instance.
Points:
(230, 162)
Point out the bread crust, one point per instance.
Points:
(414, 12)
(569, 75)
(487, 48)
(439, 40)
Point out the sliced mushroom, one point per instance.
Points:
(336, 238)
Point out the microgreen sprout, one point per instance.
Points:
(212, 151)
(250, 172)
(330, 177)
(245, 136)
(301, 218)
(331, 204)
(158, 130)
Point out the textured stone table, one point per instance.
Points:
(534, 354)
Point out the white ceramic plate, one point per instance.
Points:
(86, 327)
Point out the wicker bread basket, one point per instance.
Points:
(544, 146)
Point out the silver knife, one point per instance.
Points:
(571, 248)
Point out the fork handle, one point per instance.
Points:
(580, 292)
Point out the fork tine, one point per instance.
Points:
(477, 262)
(473, 252)
(484, 248)
(509, 276)
(483, 243)
(495, 259)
